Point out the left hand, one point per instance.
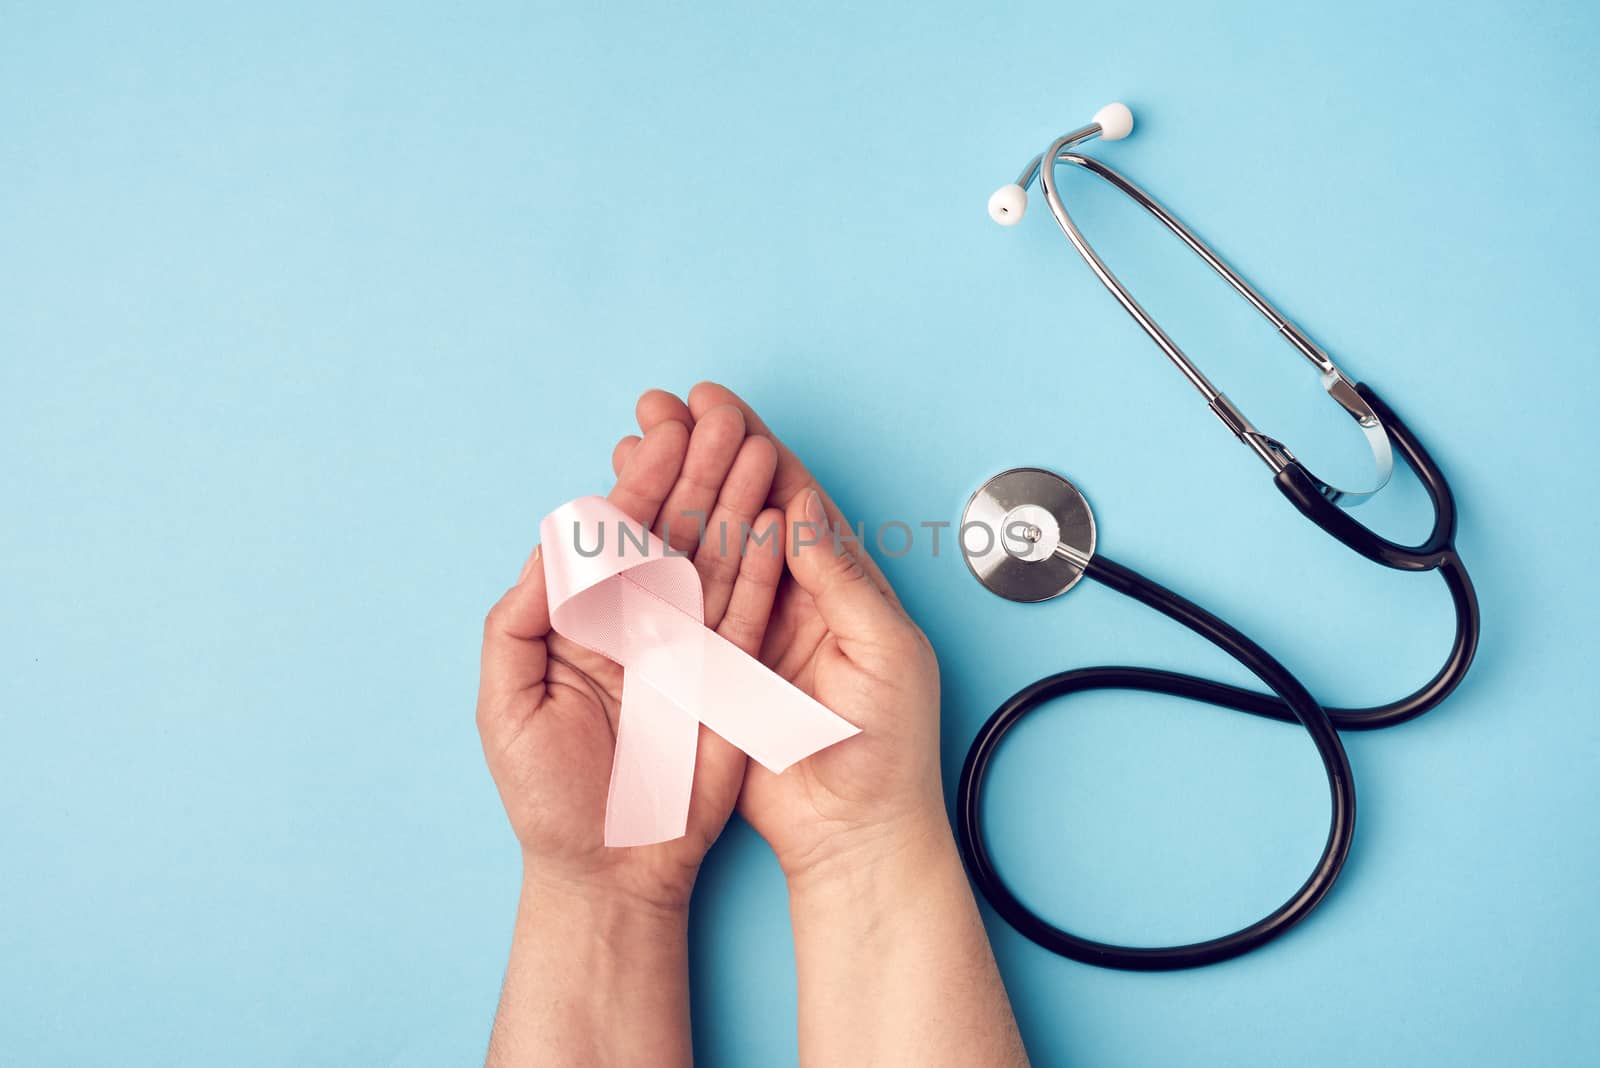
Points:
(547, 708)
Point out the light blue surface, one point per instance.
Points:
(306, 317)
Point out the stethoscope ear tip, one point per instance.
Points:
(1115, 122)
(1008, 204)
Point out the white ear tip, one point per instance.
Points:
(1115, 122)
(1008, 204)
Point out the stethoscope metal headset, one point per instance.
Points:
(1041, 541)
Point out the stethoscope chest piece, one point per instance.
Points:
(1027, 534)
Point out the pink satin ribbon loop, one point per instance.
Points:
(614, 588)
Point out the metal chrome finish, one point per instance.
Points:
(1271, 451)
(1027, 534)
(1065, 141)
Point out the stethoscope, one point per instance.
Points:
(1028, 535)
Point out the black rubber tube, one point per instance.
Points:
(1289, 702)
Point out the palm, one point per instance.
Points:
(555, 773)
(865, 685)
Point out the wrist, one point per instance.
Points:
(880, 936)
(863, 867)
(600, 902)
(581, 949)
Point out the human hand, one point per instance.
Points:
(838, 633)
(547, 707)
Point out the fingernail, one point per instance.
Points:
(527, 568)
(814, 510)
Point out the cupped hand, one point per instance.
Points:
(837, 631)
(547, 707)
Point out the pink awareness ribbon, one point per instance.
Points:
(644, 608)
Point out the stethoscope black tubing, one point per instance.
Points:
(1437, 552)
(1289, 702)
(1293, 700)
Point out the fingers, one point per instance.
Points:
(759, 567)
(651, 471)
(623, 450)
(863, 620)
(654, 406)
(657, 406)
(514, 656)
(791, 480)
(743, 493)
(792, 476)
(713, 445)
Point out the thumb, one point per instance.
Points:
(826, 563)
(514, 655)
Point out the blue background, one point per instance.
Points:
(306, 316)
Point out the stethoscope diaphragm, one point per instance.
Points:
(1027, 534)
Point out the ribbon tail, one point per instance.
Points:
(735, 695)
(652, 771)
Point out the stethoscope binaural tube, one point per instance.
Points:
(1113, 122)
